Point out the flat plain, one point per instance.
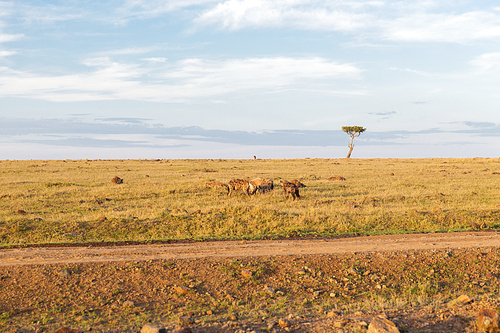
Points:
(50, 205)
(74, 201)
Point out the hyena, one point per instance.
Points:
(242, 185)
(262, 185)
(217, 185)
(297, 183)
(290, 189)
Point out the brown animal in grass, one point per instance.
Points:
(290, 189)
(297, 183)
(336, 178)
(262, 185)
(117, 180)
(217, 185)
(242, 185)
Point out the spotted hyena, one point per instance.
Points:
(290, 189)
(262, 185)
(217, 185)
(297, 183)
(242, 185)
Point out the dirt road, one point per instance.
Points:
(59, 255)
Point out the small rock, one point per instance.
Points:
(67, 330)
(488, 321)
(210, 312)
(381, 325)
(461, 300)
(152, 329)
(128, 304)
(247, 274)
(284, 323)
(182, 330)
(63, 272)
(182, 290)
(81, 318)
(269, 289)
(232, 317)
(185, 321)
(339, 323)
(363, 325)
(333, 314)
(335, 178)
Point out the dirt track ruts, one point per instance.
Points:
(428, 241)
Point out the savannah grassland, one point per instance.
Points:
(74, 201)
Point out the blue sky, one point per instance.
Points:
(238, 78)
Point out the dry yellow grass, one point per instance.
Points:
(75, 200)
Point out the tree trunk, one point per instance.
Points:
(350, 151)
(351, 147)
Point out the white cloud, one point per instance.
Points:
(130, 50)
(456, 28)
(137, 9)
(176, 82)
(4, 53)
(416, 21)
(413, 71)
(487, 62)
(156, 59)
(9, 37)
(300, 14)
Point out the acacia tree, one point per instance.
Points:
(353, 132)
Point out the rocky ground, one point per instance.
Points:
(335, 292)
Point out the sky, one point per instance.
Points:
(244, 78)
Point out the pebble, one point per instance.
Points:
(488, 320)
(185, 321)
(382, 325)
(182, 290)
(461, 300)
(63, 272)
(128, 304)
(67, 330)
(152, 329)
(246, 274)
(284, 322)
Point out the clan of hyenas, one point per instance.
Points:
(258, 185)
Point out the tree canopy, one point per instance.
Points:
(353, 132)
